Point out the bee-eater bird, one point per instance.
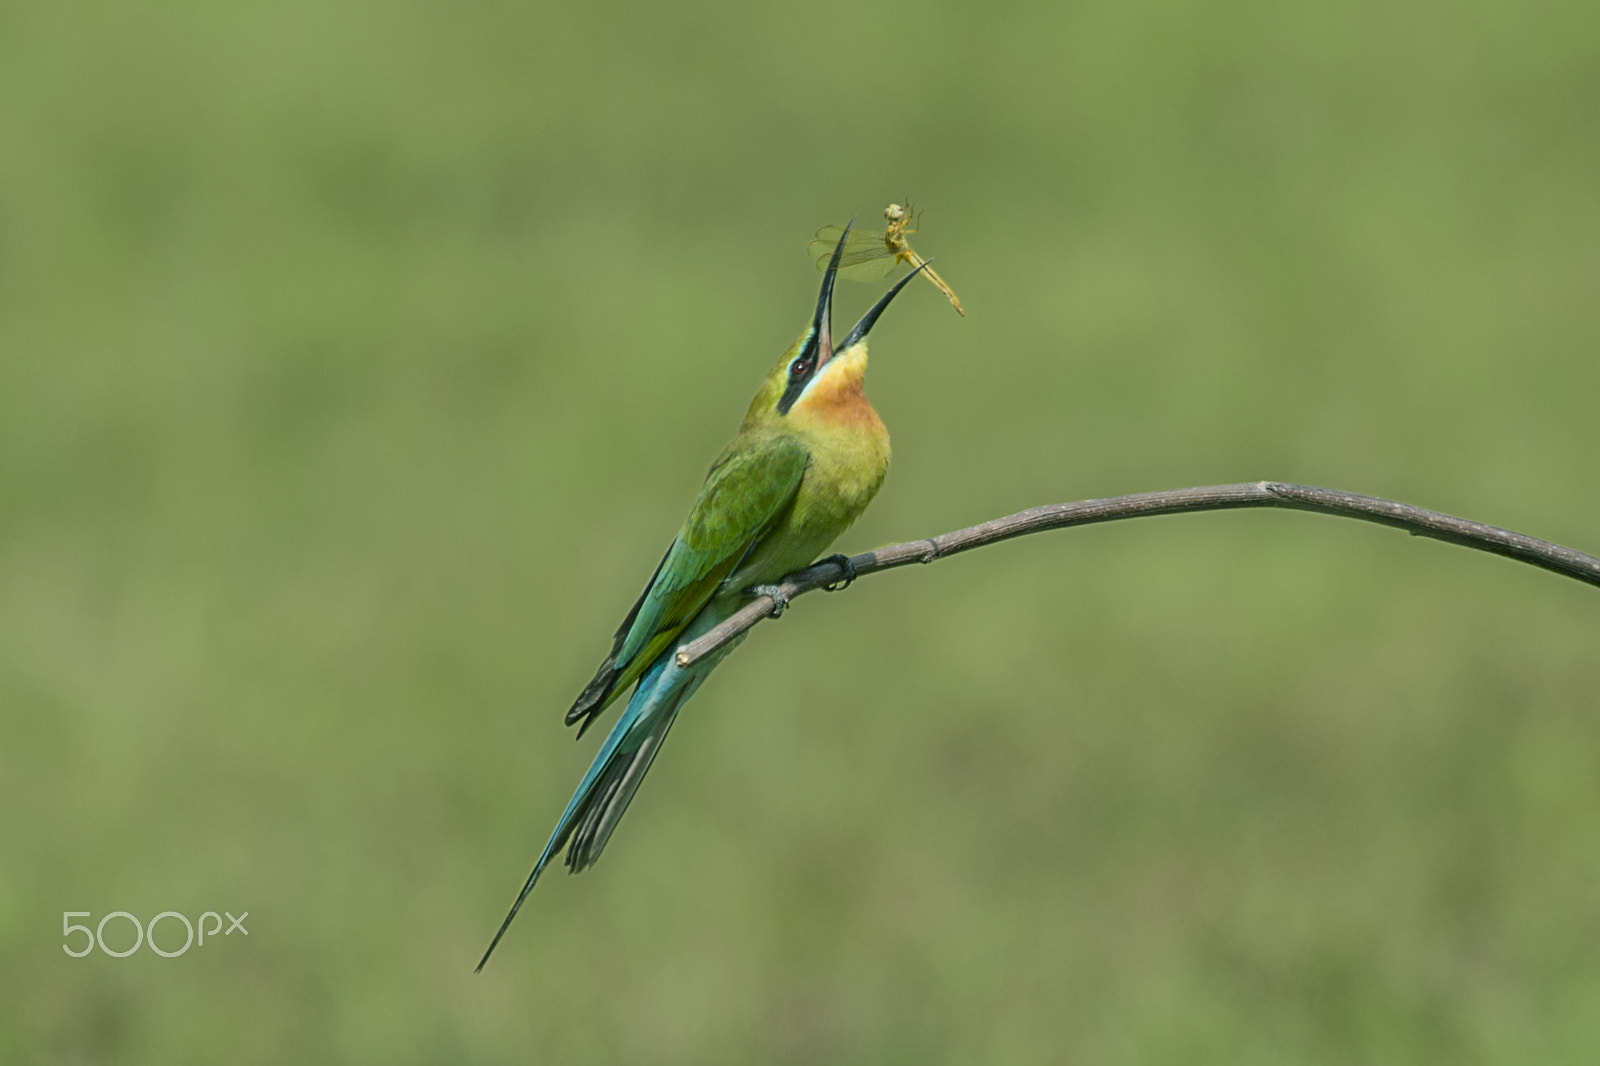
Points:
(810, 455)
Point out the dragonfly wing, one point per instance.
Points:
(868, 270)
(867, 256)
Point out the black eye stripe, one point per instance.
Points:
(800, 373)
(802, 368)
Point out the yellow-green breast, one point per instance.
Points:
(849, 456)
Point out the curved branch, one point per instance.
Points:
(1415, 520)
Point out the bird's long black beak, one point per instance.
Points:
(859, 331)
(820, 345)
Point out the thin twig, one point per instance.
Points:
(1414, 520)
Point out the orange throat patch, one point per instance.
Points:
(836, 396)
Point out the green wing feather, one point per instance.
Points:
(748, 490)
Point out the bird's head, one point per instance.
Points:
(814, 367)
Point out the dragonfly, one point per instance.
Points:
(869, 255)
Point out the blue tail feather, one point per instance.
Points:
(602, 797)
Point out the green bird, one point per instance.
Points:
(810, 455)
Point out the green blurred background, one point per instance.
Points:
(357, 361)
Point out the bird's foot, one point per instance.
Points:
(780, 599)
(847, 566)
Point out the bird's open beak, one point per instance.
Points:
(821, 343)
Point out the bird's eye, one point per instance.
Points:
(798, 368)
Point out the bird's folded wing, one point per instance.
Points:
(748, 490)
